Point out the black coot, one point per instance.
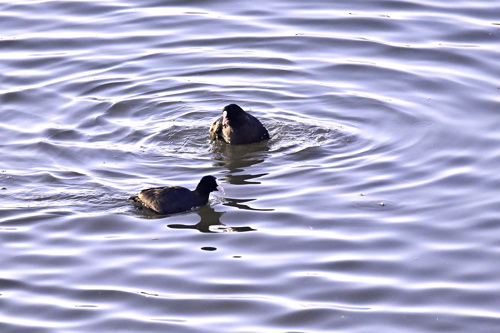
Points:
(176, 199)
(237, 127)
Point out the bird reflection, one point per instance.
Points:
(210, 222)
(237, 158)
(239, 203)
(242, 179)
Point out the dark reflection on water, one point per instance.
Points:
(241, 204)
(210, 222)
(237, 158)
(242, 179)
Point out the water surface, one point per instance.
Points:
(373, 206)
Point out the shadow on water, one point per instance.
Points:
(210, 222)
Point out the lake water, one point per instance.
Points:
(374, 206)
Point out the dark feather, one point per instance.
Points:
(176, 199)
(240, 127)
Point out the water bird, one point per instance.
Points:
(176, 199)
(237, 127)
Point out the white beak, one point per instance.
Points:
(224, 118)
(219, 187)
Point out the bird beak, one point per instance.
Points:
(224, 118)
(220, 188)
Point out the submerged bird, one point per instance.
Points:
(237, 127)
(176, 199)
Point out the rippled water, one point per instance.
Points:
(374, 206)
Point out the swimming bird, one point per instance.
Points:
(176, 199)
(237, 127)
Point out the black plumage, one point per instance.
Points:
(237, 127)
(176, 199)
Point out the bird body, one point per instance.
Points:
(237, 127)
(176, 199)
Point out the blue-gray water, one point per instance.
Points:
(373, 208)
